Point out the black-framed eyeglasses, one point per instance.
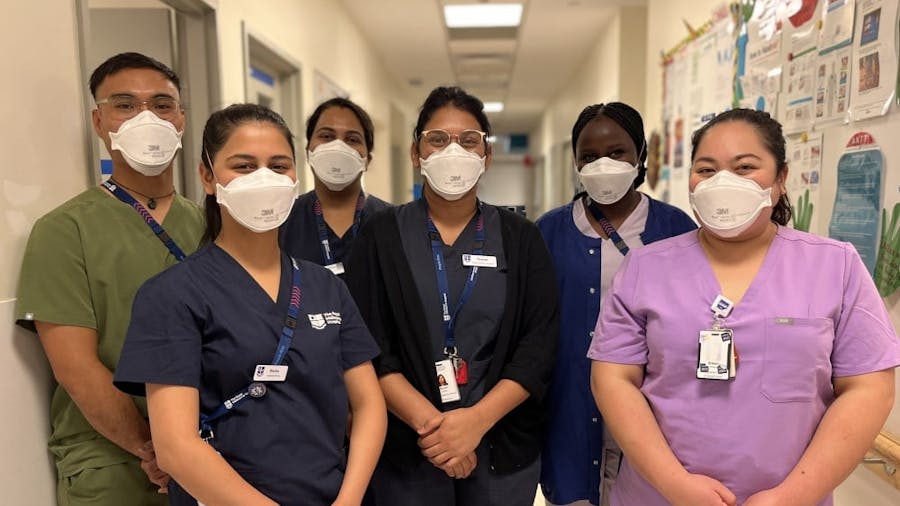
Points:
(469, 140)
(127, 106)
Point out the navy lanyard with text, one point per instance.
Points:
(257, 389)
(153, 224)
(609, 229)
(440, 269)
(323, 228)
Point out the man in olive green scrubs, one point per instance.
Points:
(83, 264)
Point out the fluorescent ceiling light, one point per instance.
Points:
(482, 15)
(493, 106)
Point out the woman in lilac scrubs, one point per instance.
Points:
(746, 363)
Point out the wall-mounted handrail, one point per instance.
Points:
(884, 458)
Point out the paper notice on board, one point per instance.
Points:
(874, 59)
(832, 96)
(761, 80)
(805, 160)
(837, 25)
(857, 200)
(801, 36)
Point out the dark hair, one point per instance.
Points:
(626, 117)
(769, 131)
(457, 97)
(124, 61)
(219, 127)
(361, 115)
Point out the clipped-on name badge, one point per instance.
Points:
(479, 260)
(337, 268)
(446, 379)
(269, 372)
(715, 356)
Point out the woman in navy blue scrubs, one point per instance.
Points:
(267, 352)
(324, 222)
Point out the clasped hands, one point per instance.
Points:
(448, 440)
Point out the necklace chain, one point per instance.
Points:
(151, 201)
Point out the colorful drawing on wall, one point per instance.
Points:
(887, 267)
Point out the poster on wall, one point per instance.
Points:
(833, 70)
(761, 79)
(857, 200)
(875, 59)
(804, 157)
(324, 88)
(801, 36)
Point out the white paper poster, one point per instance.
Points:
(801, 36)
(761, 81)
(804, 157)
(832, 97)
(875, 59)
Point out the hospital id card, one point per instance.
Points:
(269, 372)
(715, 359)
(446, 379)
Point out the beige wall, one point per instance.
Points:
(321, 37)
(44, 139)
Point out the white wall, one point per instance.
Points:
(321, 37)
(44, 138)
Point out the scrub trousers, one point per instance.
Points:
(425, 484)
(114, 485)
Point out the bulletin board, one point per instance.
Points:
(827, 70)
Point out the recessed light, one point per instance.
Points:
(493, 106)
(482, 15)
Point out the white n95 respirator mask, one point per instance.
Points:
(336, 164)
(452, 171)
(728, 204)
(606, 180)
(261, 200)
(147, 143)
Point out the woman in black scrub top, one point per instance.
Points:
(455, 288)
(267, 352)
(325, 221)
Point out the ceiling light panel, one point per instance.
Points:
(482, 15)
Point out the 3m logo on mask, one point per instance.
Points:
(153, 147)
(320, 320)
(454, 179)
(267, 212)
(722, 211)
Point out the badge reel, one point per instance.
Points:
(717, 358)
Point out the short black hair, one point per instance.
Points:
(457, 97)
(772, 137)
(124, 61)
(626, 117)
(363, 117)
(218, 129)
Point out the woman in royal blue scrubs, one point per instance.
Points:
(267, 352)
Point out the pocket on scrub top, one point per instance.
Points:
(797, 355)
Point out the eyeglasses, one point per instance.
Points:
(126, 106)
(469, 139)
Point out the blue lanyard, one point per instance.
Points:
(323, 228)
(437, 255)
(153, 224)
(609, 229)
(254, 389)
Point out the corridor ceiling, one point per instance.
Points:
(523, 67)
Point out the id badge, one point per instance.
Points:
(446, 379)
(337, 268)
(269, 372)
(479, 261)
(715, 354)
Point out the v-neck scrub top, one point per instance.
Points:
(206, 324)
(811, 314)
